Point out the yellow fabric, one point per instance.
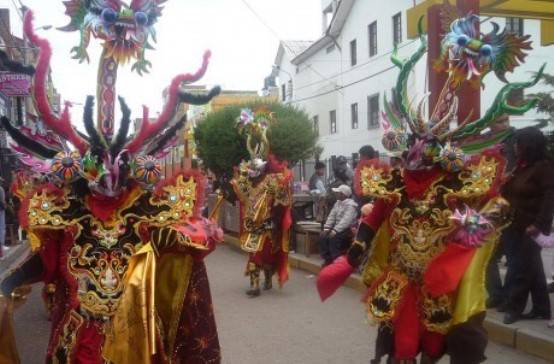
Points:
(379, 257)
(34, 241)
(471, 291)
(134, 321)
(8, 349)
(254, 242)
(173, 272)
(151, 305)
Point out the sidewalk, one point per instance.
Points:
(531, 337)
(12, 255)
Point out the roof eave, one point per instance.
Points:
(280, 54)
(339, 18)
(311, 50)
(333, 31)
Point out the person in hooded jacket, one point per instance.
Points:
(336, 236)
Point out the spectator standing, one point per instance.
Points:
(497, 291)
(530, 191)
(317, 180)
(342, 175)
(342, 172)
(3, 206)
(337, 234)
(367, 153)
(317, 190)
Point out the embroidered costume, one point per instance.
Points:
(263, 189)
(120, 248)
(436, 220)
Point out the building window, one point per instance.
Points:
(353, 53)
(289, 90)
(330, 48)
(316, 125)
(333, 121)
(372, 33)
(397, 29)
(373, 111)
(515, 25)
(283, 92)
(354, 115)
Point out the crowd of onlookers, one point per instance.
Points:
(336, 206)
(529, 188)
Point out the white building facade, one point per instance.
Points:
(342, 79)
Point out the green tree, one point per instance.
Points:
(218, 143)
(221, 147)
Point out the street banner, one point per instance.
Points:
(14, 84)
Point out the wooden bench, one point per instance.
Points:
(307, 236)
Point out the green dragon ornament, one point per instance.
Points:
(126, 30)
(469, 56)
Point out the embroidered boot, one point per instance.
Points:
(268, 279)
(254, 290)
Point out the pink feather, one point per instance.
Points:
(148, 130)
(28, 160)
(63, 124)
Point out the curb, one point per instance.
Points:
(522, 339)
(14, 254)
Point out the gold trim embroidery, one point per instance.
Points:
(437, 313)
(180, 198)
(384, 299)
(477, 179)
(44, 209)
(374, 183)
(418, 241)
(257, 201)
(68, 337)
(102, 269)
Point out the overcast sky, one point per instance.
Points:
(243, 48)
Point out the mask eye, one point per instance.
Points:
(462, 40)
(109, 15)
(486, 50)
(141, 18)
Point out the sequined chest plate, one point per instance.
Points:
(98, 261)
(418, 239)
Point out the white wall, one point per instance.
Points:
(327, 81)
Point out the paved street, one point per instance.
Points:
(288, 326)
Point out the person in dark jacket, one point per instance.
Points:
(530, 191)
(496, 289)
(367, 153)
